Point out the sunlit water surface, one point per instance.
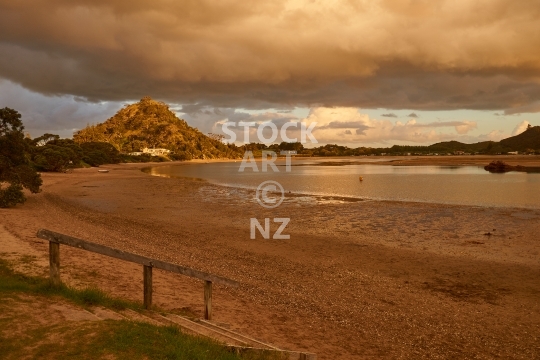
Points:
(465, 185)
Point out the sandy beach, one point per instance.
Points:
(356, 280)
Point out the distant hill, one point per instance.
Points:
(528, 141)
(150, 124)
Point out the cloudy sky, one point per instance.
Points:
(372, 73)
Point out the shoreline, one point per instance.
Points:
(356, 280)
(442, 160)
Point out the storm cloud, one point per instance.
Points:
(391, 54)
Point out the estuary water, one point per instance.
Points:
(463, 185)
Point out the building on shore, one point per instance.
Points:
(152, 152)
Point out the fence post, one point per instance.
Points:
(54, 263)
(147, 281)
(207, 300)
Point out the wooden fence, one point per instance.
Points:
(55, 239)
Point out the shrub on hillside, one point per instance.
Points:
(181, 155)
(141, 158)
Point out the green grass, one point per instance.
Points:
(107, 339)
(119, 340)
(14, 282)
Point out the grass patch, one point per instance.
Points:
(119, 340)
(21, 336)
(11, 281)
(128, 340)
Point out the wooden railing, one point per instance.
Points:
(55, 239)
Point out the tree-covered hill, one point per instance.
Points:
(150, 124)
(529, 139)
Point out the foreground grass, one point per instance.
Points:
(112, 339)
(26, 334)
(13, 282)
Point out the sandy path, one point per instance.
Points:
(356, 280)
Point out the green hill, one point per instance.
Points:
(458, 146)
(529, 139)
(150, 124)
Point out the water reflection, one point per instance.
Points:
(467, 185)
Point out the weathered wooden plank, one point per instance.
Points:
(54, 263)
(208, 300)
(147, 282)
(122, 255)
(292, 355)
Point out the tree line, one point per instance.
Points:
(22, 158)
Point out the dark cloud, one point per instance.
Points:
(209, 119)
(360, 131)
(191, 108)
(278, 54)
(60, 115)
(206, 117)
(533, 107)
(389, 115)
(413, 115)
(440, 124)
(342, 125)
(358, 125)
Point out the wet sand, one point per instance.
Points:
(356, 280)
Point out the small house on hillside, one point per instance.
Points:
(153, 152)
(156, 152)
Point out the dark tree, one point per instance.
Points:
(99, 153)
(295, 146)
(54, 158)
(55, 154)
(16, 171)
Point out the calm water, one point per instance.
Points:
(466, 185)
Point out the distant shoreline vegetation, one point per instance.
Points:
(137, 132)
(150, 124)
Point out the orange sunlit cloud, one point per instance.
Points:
(391, 53)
